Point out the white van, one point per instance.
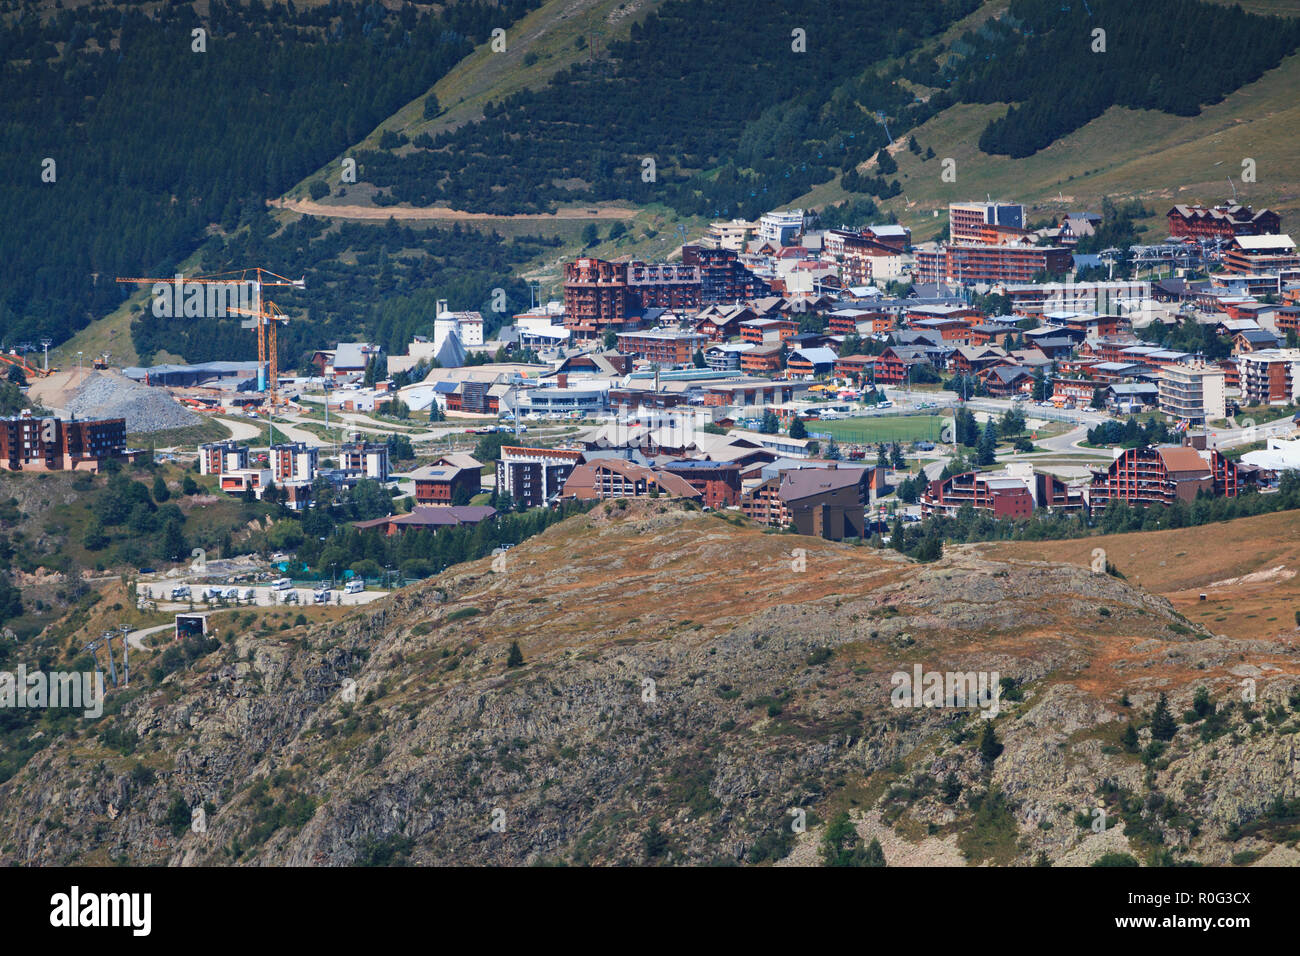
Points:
(180, 591)
(290, 597)
(214, 592)
(247, 594)
(322, 596)
(281, 584)
(355, 586)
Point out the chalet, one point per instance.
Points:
(1130, 397)
(810, 362)
(1253, 340)
(761, 358)
(767, 331)
(951, 331)
(1257, 254)
(1226, 221)
(829, 502)
(894, 364)
(992, 333)
(718, 482)
(429, 519)
(606, 478)
(446, 484)
(1003, 381)
(860, 368)
(966, 358)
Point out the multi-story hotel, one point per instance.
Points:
(969, 221)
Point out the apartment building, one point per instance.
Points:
(293, 461)
(534, 476)
(1013, 493)
(1192, 393)
(1269, 376)
(364, 459)
(218, 457)
(724, 279)
(718, 482)
(733, 235)
(1161, 475)
(54, 444)
(662, 346)
(970, 263)
(1260, 254)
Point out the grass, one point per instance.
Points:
(206, 431)
(883, 428)
(1181, 565)
(1164, 159)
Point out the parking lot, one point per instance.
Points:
(247, 596)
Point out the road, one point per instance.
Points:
(384, 213)
(241, 430)
(136, 638)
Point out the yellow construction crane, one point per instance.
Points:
(265, 315)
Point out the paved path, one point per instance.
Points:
(241, 430)
(136, 638)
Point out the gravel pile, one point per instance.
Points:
(146, 409)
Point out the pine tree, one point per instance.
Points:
(1130, 739)
(986, 451)
(990, 746)
(798, 429)
(516, 656)
(160, 492)
(1162, 721)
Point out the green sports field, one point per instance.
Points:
(882, 428)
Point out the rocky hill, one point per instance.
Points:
(687, 681)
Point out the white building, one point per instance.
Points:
(1193, 393)
(467, 326)
(780, 228)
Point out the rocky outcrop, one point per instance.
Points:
(684, 689)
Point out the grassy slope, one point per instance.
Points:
(549, 32)
(1153, 156)
(1183, 564)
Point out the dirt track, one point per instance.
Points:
(309, 207)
